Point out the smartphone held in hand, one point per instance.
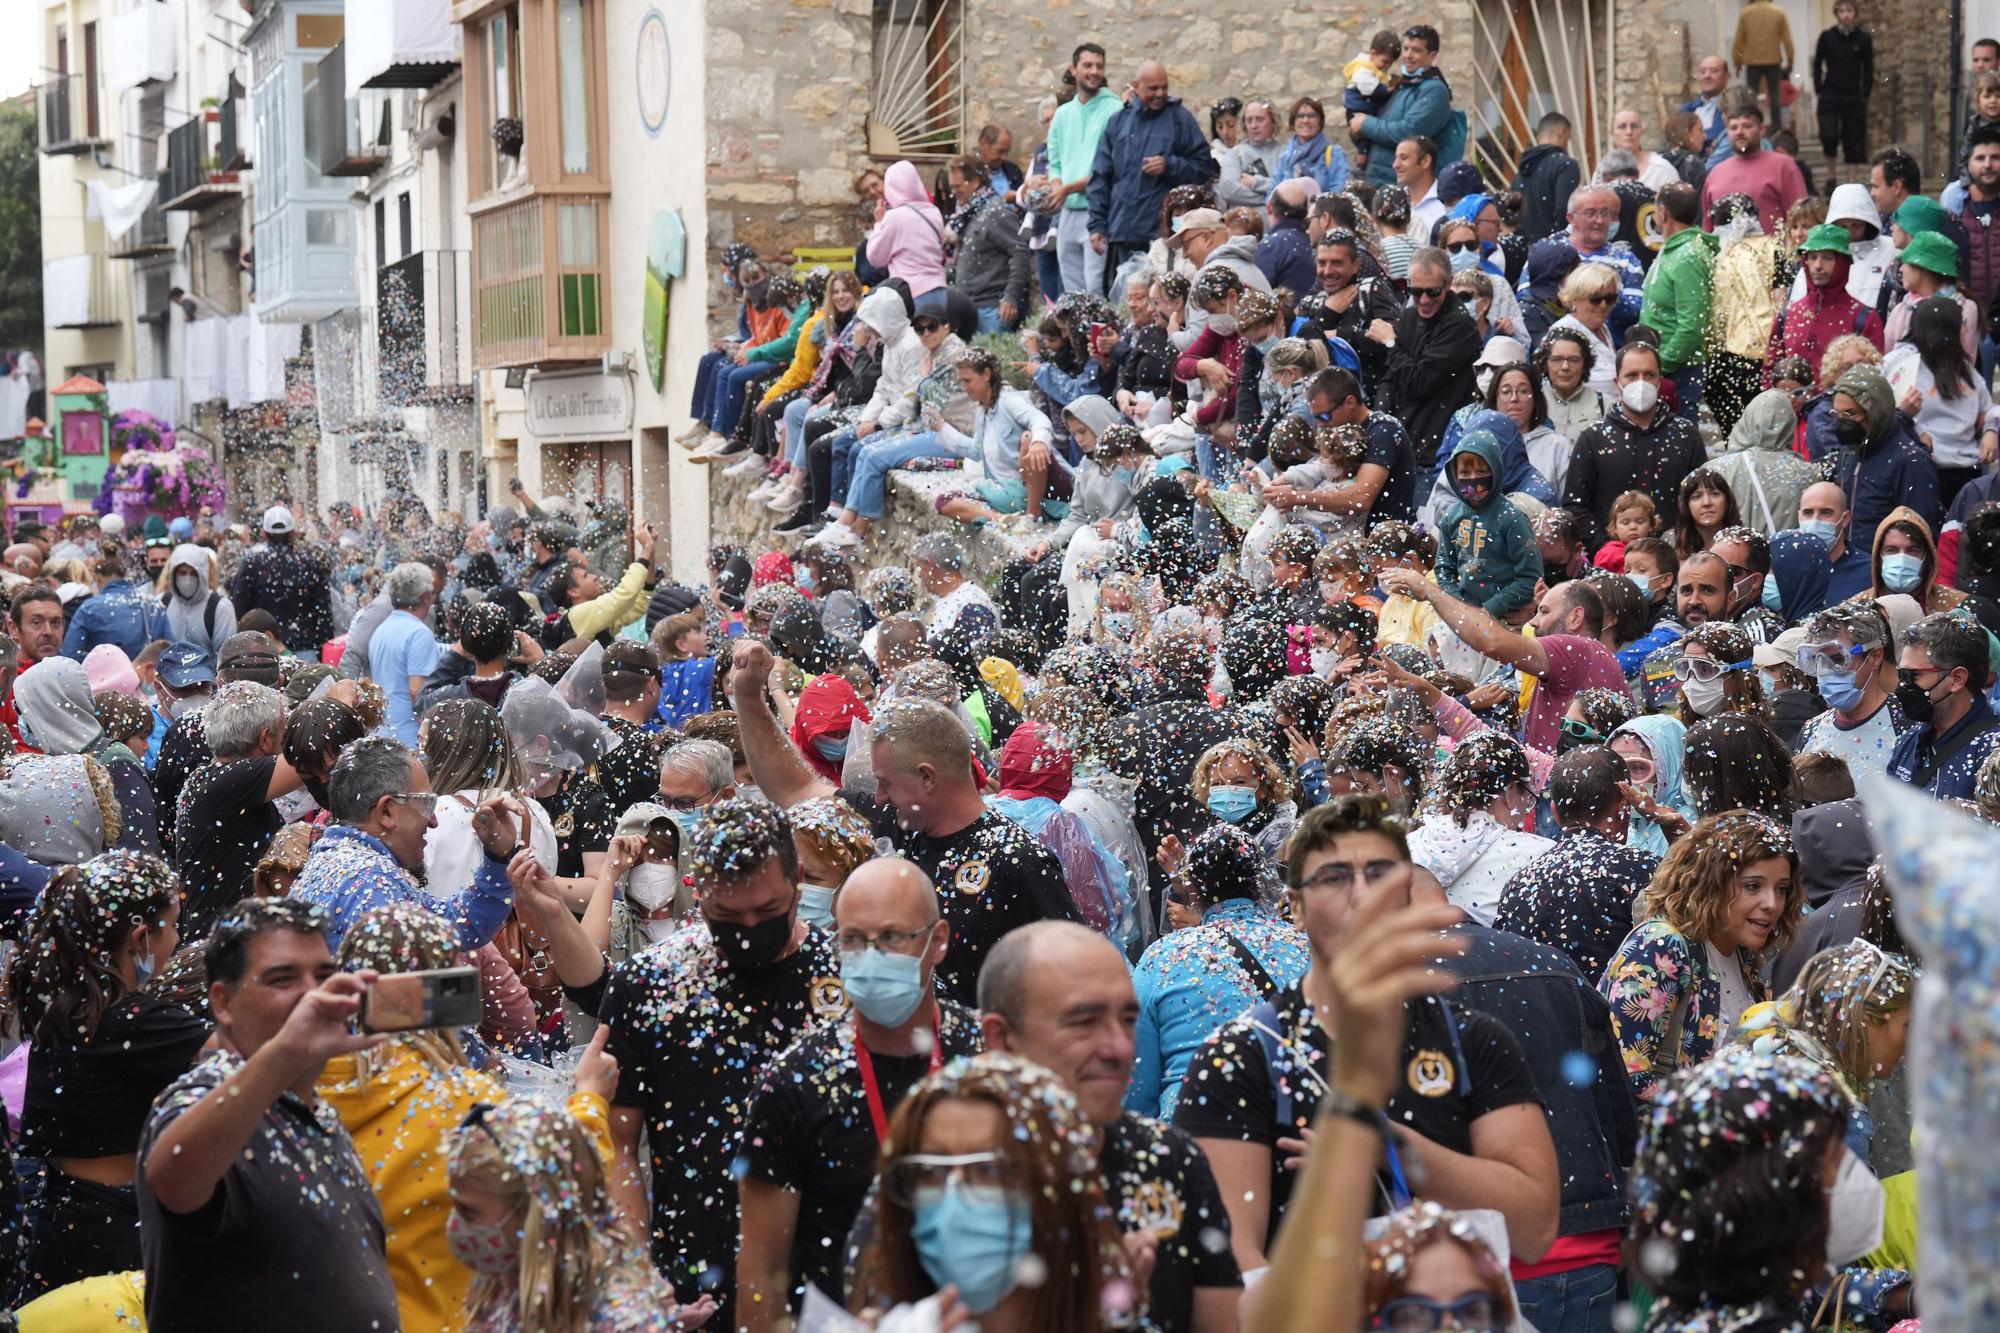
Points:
(405, 1001)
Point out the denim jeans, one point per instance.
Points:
(795, 425)
(844, 445)
(989, 319)
(1048, 274)
(1578, 1301)
(867, 489)
(730, 383)
(934, 302)
(704, 383)
(1687, 392)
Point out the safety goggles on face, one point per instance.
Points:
(424, 803)
(1819, 659)
(1639, 769)
(1581, 733)
(1705, 669)
(922, 1177)
(1478, 1312)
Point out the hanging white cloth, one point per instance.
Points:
(120, 206)
(13, 406)
(161, 398)
(66, 291)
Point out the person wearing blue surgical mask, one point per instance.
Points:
(693, 776)
(1842, 651)
(832, 840)
(812, 1135)
(1239, 783)
(1906, 562)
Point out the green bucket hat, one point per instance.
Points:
(1920, 214)
(1828, 236)
(1931, 252)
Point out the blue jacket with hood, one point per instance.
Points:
(1419, 106)
(1487, 555)
(1665, 738)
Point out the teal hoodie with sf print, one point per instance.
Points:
(1487, 554)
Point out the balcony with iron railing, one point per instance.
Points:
(148, 236)
(195, 178)
(539, 289)
(69, 122)
(232, 146)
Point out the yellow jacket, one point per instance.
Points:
(805, 362)
(1405, 620)
(615, 609)
(401, 1121)
(1763, 36)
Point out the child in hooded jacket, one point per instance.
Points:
(1487, 552)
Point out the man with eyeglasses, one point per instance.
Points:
(1941, 689)
(1432, 348)
(1469, 1119)
(818, 1120)
(1061, 995)
(1843, 654)
(383, 807)
(1593, 211)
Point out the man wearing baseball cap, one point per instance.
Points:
(279, 577)
(1206, 240)
(183, 683)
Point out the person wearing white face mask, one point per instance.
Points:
(1635, 447)
(197, 615)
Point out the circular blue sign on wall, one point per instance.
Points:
(655, 72)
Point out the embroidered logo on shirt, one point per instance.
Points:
(972, 878)
(1430, 1074)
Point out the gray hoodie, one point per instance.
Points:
(1238, 253)
(1258, 161)
(188, 619)
(1094, 492)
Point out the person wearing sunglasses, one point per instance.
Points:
(1464, 1084)
(1941, 688)
(1432, 348)
(1589, 294)
(383, 807)
(1430, 1269)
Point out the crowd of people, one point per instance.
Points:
(1381, 850)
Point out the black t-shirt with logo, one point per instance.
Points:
(1458, 1065)
(631, 772)
(1159, 1182)
(810, 1132)
(991, 877)
(221, 827)
(583, 819)
(693, 1038)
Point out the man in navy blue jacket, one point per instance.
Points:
(1285, 255)
(1151, 145)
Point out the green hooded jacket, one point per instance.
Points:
(1677, 294)
(1487, 556)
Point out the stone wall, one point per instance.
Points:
(1911, 105)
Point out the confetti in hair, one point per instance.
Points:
(734, 839)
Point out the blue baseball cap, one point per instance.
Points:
(183, 666)
(181, 529)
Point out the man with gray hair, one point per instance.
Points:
(1592, 211)
(361, 630)
(938, 561)
(224, 815)
(1062, 996)
(403, 652)
(693, 776)
(382, 801)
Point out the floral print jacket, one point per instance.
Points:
(1645, 980)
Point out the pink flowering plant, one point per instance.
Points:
(158, 475)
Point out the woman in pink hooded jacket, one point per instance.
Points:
(908, 238)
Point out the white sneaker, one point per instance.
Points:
(786, 497)
(692, 435)
(765, 488)
(752, 461)
(710, 449)
(838, 537)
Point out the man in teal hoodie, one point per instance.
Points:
(1487, 554)
(1421, 105)
(1677, 292)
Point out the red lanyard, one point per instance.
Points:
(873, 1091)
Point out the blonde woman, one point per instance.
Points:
(532, 1220)
(399, 1102)
(1590, 293)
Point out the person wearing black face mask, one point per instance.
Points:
(1941, 686)
(694, 1023)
